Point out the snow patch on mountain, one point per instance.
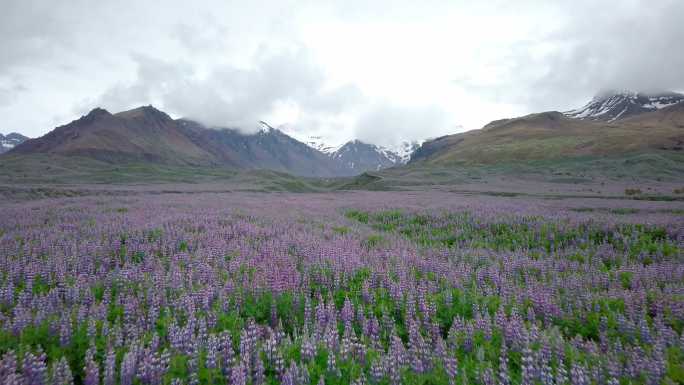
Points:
(319, 143)
(9, 141)
(405, 149)
(355, 154)
(265, 128)
(394, 155)
(611, 106)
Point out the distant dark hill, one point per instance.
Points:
(268, 149)
(358, 157)
(11, 140)
(142, 134)
(147, 135)
(552, 135)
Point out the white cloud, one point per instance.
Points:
(338, 69)
(388, 124)
(228, 96)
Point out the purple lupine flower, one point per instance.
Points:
(34, 368)
(248, 345)
(8, 364)
(527, 366)
(259, 372)
(92, 328)
(308, 312)
(504, 377)
(397, 350)
(154, 342)
(417, 349)
(451, 367)
(153, 367)
(227, 353)
(440, 350)
(61, 373)
(346, 346)
(271, 347)
(110, 368)
(613, 366)
(347, 313)
(531, 317)
(308, 349)
(65, 330)
(331, 338)
(239, 374)
(304, 375)
(193, 361)
(359, 350)
(374, 332)
(128, 367)
(545, 374)
(211, 361)
(91, 369)
(201, 336)
(193, 379)
(645, 332)
(332, 365)
(657, 365)
(393, 369)
(291, 376)
(377, 370)
(578, 375)
(468, 337)
(279, 363)
(487, 376)
(454, 330)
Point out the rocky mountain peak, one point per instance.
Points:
(609, 106)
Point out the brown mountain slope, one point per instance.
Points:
(269, 149)
(147, 135)
(551, 135)
(144, 133)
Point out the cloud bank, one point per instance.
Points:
(381, 72)
(229, 96)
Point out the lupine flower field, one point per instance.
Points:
(344, 288)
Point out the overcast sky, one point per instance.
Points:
(374, 70)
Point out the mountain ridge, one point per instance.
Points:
(150, 135)
(11, 140)
(397, 154)
(140, 134)
(554, 135)
(610, 106)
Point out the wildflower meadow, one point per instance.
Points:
(344, 288)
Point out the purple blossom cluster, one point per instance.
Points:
(280, 288)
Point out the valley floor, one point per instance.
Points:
(188, 284)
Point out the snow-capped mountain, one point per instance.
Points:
(360, 156)
(10, 140)
(404, 150)
(357, 157)
(318, 143)
(611, 106)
